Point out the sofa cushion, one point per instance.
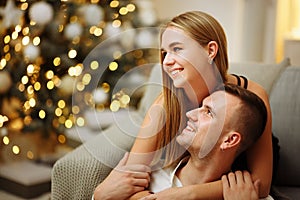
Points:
(285, 106)
(263, 74)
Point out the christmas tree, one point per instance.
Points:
(44, 51)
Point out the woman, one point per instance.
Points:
(195, 61)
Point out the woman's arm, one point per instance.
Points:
(260, 155)
(143, 149)
(132, 174)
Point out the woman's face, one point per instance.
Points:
(185, 60)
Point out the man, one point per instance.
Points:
(237, 118)
(229, 121)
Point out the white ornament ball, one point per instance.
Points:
(67, 84)
(127, 38)
(145, 39)
(5, 81)
(73, 30)
(109, 30)
(41, 13)
(100, 96)
(93, 14)
(31, 52)
(148, 17)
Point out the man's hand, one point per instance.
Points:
(123, 181)
(239, 186)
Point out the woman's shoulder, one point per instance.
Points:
(258, 90)
(251, 85)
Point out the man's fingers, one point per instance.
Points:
(123, 160)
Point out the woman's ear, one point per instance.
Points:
(233, 139)
(212, 49)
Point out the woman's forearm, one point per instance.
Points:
(212, 190)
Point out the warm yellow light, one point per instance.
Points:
(5, 140)
(68, 123)
(125, 99)
(36, 41)
(24, 6)
(80, 121)
(114, 4)
(115, 106)
(14, 35)
(42, 114)
(15, 149)
(106, 87)
(75, 109)
(113, 66)
(80, 86)
(2, 63)
(32, 102)
(50, 85)
(25, 40)
(7, 57)
(30, 69)
(61, 138)
(30, 89)
(116, 23)
(24, 80)
(27, 120)
(30, 155)
(94, 65)
(49, 74)
(18, 28)
(58, 112)
(130, 7)
(7, 39)
(98, 32)
(6, 48)
(18, 47)
(37, 86)
(86, 79)
(56, 61)
(123, 11)
(72, 53)
(25, 30)
(61, 103)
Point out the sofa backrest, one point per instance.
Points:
(285, 106)
(261, 73)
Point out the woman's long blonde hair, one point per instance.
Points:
(203, 28)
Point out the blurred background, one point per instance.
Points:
(51, 74)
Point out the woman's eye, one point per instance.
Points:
(176, 49)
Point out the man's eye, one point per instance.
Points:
(208, 112)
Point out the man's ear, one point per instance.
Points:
(232, 139)
(212, 49)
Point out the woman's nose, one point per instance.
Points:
(168, 59)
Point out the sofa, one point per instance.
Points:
(76, 175)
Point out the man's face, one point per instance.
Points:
(205, 124)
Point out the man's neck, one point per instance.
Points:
(198, 171)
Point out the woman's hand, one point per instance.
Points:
(239, 186)
(123, 181)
